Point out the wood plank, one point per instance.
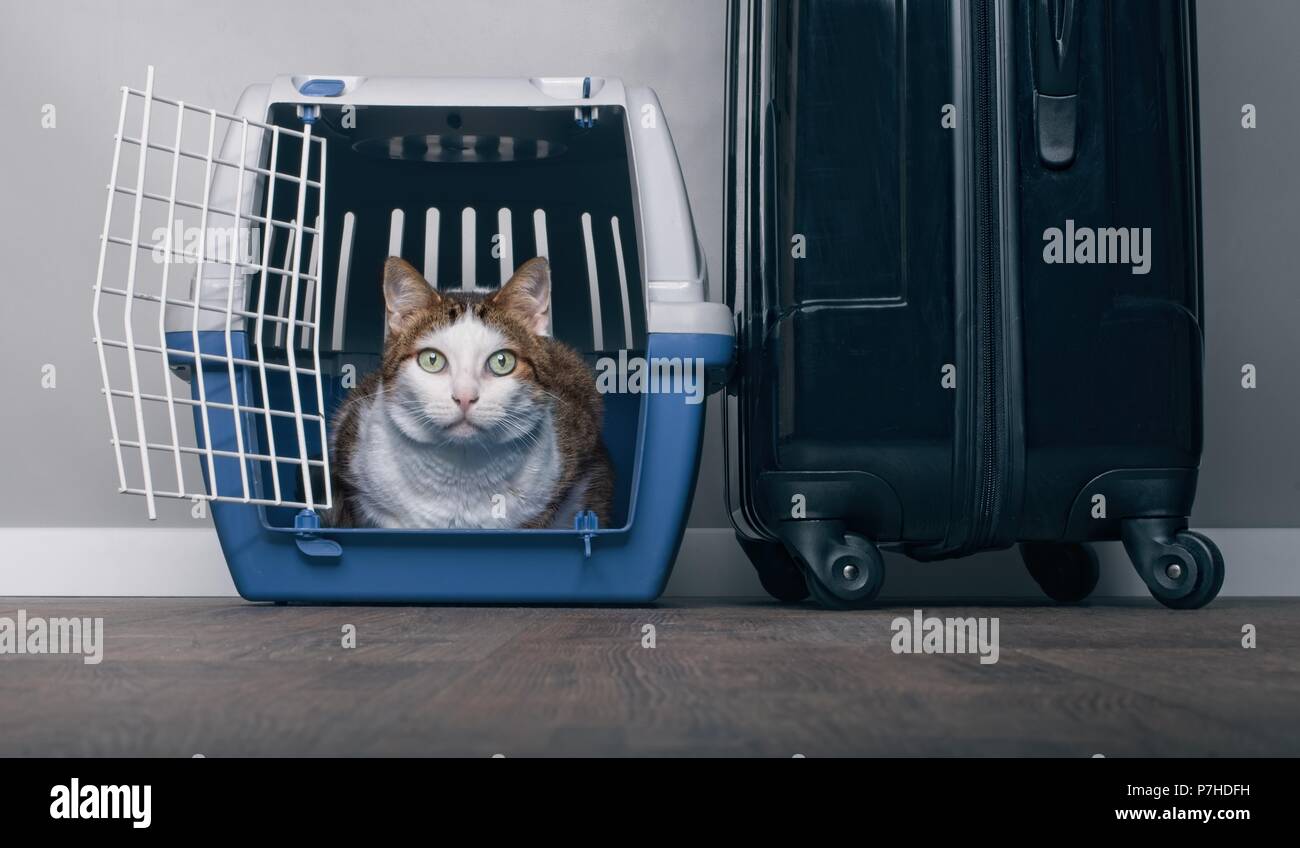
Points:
(185, 676)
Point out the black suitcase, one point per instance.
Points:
(964, 257)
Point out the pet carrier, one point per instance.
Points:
(242, 253)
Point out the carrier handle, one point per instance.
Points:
(674, 272)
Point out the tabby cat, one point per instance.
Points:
(477, 418)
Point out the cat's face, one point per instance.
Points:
(461, 368)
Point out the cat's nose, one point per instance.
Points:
(465, 401)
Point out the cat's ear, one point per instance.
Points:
(406, 293)
(527, 295)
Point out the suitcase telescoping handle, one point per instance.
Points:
(1056, 81)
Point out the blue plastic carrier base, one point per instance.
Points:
(274, 555)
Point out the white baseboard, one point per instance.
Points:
(171, 562)
(112, 561)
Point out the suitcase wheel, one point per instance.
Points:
(1067, 572)
(855, 572)
(776, 569)
(840, 569)
(1209, 572)
(1183, 569)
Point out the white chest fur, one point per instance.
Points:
(407, 484)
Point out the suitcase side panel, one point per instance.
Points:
(852, 327)
(1112, 349)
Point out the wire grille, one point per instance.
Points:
(183, 213)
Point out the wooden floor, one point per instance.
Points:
(218, 677)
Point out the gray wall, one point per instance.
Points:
(1250, 474)
(75, 55)
(57, 466)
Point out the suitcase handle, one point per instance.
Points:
(1056, 81)
(772, 265)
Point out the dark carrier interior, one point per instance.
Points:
(453, 191)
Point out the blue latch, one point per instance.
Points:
(305, 525)
(587, 523)
(322, 88)
(586, 117)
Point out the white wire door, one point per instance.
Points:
(207, 306)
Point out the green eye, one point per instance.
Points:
(501, 363)
(431, 360)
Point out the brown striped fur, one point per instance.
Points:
(552, 366)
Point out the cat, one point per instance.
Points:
(476, 418)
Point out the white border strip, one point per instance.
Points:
(341, 287)
(468, 225)
(396, 225)
(505, 244)
(597, 328)
(432, 219)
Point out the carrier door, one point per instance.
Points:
(841, 227)
(206, 314)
